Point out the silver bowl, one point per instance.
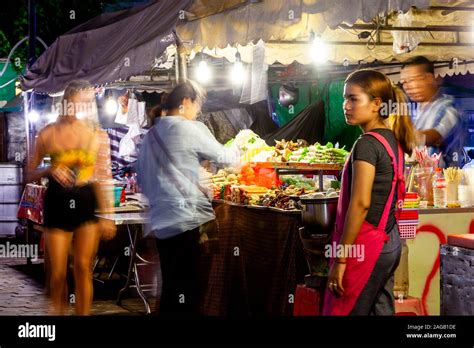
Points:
(319, 214)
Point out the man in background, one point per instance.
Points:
(437, 121)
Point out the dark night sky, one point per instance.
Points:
(53, 17)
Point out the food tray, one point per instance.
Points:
(257, 207)
(279, 210)
(298, 165)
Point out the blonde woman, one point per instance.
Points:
(80, 161)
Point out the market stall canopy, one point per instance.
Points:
(279, 19)
(107, 48)
(115, 46)
(285, 26)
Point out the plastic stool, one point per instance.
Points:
(307, 301)
(410, 306)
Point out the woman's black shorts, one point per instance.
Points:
(69, 208)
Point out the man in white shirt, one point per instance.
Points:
(437, 121)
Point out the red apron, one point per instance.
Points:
(371, 237)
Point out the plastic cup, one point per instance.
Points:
(452, 194)
(117, 195)
(465, 195)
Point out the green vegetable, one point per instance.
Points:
(340, 152)
(329, 145)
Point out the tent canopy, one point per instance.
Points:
(107, 48)
(282, 19)
(285, 26)
(116, 46)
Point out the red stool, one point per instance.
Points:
(410, 306)
(307, 301)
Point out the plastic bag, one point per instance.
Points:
(136, 113)
(127, 145)
(405, 41)
(32, 203)
(122, 112)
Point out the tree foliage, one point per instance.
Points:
(53, 18)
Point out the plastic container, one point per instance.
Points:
(465, 195)
(468, 175)
(424, 180)
(452, 194)
(407, 231)
(127, 183)
(133, 183)
(439, 189)
(117, 195)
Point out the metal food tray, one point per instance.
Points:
(258, 207)
(293, 211)
(299, 165)
(235, 204)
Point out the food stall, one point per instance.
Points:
(246, 193)
(260, 259)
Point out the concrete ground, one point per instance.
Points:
(22, 292)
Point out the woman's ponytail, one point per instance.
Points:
(401, 124)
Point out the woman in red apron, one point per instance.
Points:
(366, 235)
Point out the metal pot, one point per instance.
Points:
(319, 214)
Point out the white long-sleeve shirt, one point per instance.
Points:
(172, 210)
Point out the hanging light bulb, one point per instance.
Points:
(238, 70)
(111, 106)
(33, 116)
(319, 50)
(203, 73)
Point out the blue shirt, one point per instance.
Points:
(179, 198)
(441, 115)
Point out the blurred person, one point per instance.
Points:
(171, 176)
(438, 123)
(361, 279)
(80, 163)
